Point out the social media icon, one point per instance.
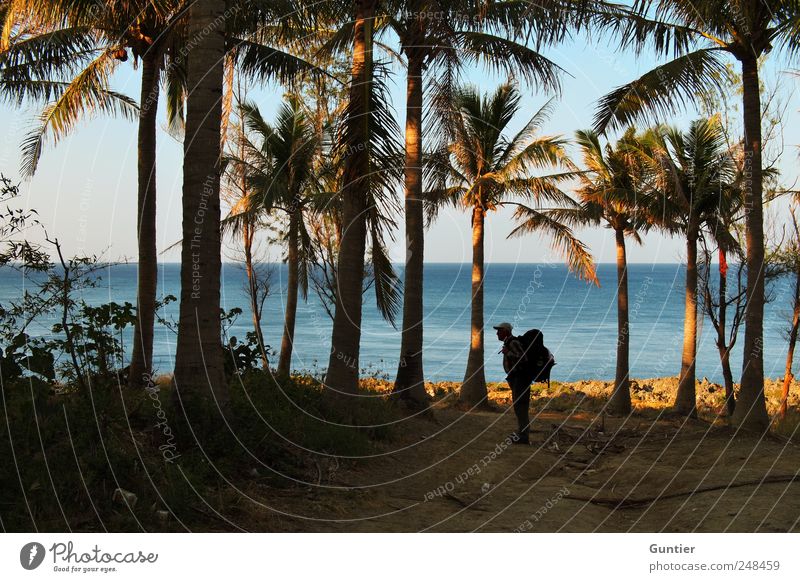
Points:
(31, 555)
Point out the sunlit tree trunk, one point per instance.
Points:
(685, 401)
(199, 372)
(343, 365)
(751, 407)
(788, 377)
(473, 389)
(292, 283)
(410, 382)
(620, 402)
(147, 268)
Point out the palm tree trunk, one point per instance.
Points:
(722, 340)
(751, 408)
(473, 389)
(620, 402)
(147, 270)
(342, 375)
(287, 342)
(248, 233)
(685, 401)
(788, 377)
(200, 384)
(410, 382)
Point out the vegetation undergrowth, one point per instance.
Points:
(110, 457)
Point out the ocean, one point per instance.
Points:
(579, 320)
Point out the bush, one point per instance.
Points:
(286, 412)
(68, 450)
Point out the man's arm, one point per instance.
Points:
(515, 353)
(515, 349)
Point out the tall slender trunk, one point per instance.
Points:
(248, 234)
(287, 342)
(685, 400)
(147, 270)
(722, 333)
(200, 384)
(410, 382)
(788, 377)
(473, 389)
(751, 408)
(620, 402)
(248, 231)
(341, 379)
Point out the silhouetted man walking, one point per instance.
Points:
(518, 379)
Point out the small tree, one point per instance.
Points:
(791, 261)
(13, 223)
(717, 303)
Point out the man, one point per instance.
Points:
(518, 379)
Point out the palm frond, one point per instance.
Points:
(579, 259)
(87, 94)
(388, 294)
(661, 91)
(175, 83)
(263, 63)
(28, 65)
(542, 189)
(511, 58)
(527, 133)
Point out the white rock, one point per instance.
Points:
(126, 497)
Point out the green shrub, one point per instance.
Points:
(292, 412)
(66, 451)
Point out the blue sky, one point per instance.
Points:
(85, 188)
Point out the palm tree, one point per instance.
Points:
(463, 33)
(745, 30)
(79, 86)
(278, 167)
(696, 174)
(243, 220)
(613, 191)
(75, 50)
(342, 374)
(367, 145)
(199, 371)
(484, 170)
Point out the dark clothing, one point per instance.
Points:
(518, 378)
(514, 355)
(521, 395)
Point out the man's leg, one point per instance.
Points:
(525, 407)
(520, 392)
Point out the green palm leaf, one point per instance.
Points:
(660, 92)
(86, 93)
(577, 255)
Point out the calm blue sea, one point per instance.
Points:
(578, 320)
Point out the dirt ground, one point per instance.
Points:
(583, 472)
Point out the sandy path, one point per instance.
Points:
(458, 473)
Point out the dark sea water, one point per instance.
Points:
(579, 320)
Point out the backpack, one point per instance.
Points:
(539, 361)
